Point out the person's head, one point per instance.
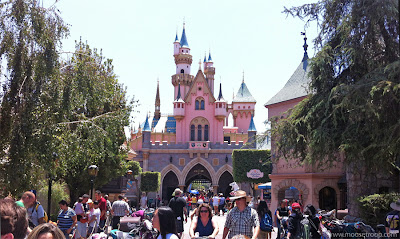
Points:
(177, 192)
(120, 197)
(46, 231)
(98, 195)
(28, 198)
(296, 207)
(80, 199)
(96, 204)
(310, 210)
(13, 220)
(284, 203)
(143, 194)
(164, 222)
(262, 208)
(106, 197)
(241, 198)
(63, 205)
(395, 205)
(85, 198)
(204, 210)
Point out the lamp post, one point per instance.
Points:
(92, 170)
(55, 156)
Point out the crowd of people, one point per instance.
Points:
(26, 217)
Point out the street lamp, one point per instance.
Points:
(55, 156)
(92, 170)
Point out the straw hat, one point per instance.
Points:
(395, 205)
(240, 194)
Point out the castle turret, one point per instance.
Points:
(177, 45)
(209, 71)
(251, 133)
(220, 105)
(179, 104)
(146, 133)
(243, 108)
(183, 61)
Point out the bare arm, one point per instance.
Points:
(216, 229)
(256, 231)
(225, 233)
(193, 226)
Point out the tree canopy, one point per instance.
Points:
(354, 106)
(75, 108)
(244, 160)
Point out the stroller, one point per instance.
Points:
(143, 230)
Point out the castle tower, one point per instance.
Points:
(157, 112)
(209, 71)
(183, 62)
(251, 133)
(243, 108)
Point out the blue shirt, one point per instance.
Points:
(65, 219)
(204, 230)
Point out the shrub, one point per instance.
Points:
(150, 181)
(375, 207)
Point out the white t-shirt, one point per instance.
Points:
(143, 202)
(168, 236)
(94, 212)
(35, 215)
(215, 200)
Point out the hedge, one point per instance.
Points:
(150, 181)
(243, 160)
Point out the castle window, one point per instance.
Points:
(192, 132)
(199, 104)
(206, 132)
(182, 71)
(199, 133)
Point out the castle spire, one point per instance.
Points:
(252, 127)
(220, 97)
(146, 126)
(209, 56)
(305, 46)
(184, 42)
(157, 113)
(179, 92)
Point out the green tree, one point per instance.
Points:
(30, 37)
(150, 181)
(353, 109)
(93, 110)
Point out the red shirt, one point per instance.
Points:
(103, 207)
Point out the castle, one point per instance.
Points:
(195, 142)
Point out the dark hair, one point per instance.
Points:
(63, 202)
(98, 192)
(206, 205)
(167, 221)
(80, 199)
(46, 228)
(13, 218)
(120, 197)
(262, 208)
(96, 202)
(310, 210)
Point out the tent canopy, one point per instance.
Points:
(265, 186)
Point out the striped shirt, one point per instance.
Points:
(241, 223)
(65, 219)
(120, 208)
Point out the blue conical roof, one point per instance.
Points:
(146, 126)
(205, 58)
(179, 93)
(220, 97)
(176, 38)
(183, 41)
(209, 57)
(243, 94)
(252, 127)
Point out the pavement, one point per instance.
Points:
(221, 222)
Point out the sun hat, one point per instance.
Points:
(240, 194)
(395, 205)
(89, 201)
(177, 191)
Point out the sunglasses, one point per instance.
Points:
(204, 211)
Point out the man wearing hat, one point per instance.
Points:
(178, 205)
(392, 222)
(294, 221)
(241, 220)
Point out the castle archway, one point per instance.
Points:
(193, 163)
(327, 198)
(223, 183)
(169, 183)
(291, 184)
(199, 177)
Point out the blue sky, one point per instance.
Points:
(250, 36)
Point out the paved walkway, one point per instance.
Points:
(221, 223)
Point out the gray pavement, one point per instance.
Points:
(221, 223)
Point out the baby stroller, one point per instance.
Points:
(143, 230)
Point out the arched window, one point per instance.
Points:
(206, 132)
(199, 133)
(197, 107)
(202, 104)
(199, 104)
(192, 133)
(182, 71)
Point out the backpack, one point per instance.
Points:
(46, 218)
(266, 223)
(303, 229)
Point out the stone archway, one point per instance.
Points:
(169, 184)
(193, 163)
(284, 184)
(165, 171)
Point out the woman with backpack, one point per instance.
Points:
(265, 218)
